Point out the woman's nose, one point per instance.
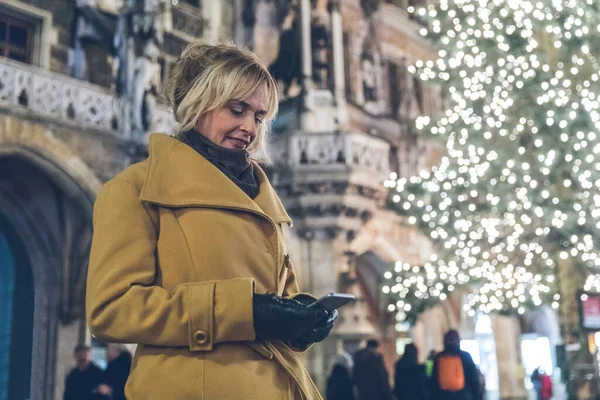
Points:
(249, 125)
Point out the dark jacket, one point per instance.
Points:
(81, 385)
(339, 384)
(471, 390)
(370, 376)
(116, 375)
(410, 381)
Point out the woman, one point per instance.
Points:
(410, 379)
(188, 258)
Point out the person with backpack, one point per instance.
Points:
(454, 375)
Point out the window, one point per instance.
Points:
(16, 38)
(394, 74)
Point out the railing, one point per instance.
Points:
(64, 99)
(355, 150)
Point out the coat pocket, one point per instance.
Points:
(159, 373)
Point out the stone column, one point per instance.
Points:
(212, 14)
(307, 118)
(167, 17)
(240, 30)
(507, 333)
(339, 76)
(305, 25)
(68, 337)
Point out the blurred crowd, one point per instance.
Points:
(87, 381)
(449, 375)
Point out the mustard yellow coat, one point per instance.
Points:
(178, 250)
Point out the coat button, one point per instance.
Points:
(201, 337)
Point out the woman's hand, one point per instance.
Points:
(278, 318)
(319, 332)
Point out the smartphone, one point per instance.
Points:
(333, 301)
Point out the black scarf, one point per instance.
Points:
(235, 164)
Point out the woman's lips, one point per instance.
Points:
(238, 143)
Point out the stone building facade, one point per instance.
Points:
(77, 100)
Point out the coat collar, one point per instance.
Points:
(180, 177)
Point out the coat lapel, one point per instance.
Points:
(180, 177)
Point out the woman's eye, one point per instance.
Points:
(237, 112)
(258, 120)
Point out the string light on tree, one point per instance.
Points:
(517, 192)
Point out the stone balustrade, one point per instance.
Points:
(61, 98)
(344, 149)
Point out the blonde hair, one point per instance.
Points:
(207, 76)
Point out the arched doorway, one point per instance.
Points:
(16, 315)
(45, 234)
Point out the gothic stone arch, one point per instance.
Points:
(57, 244)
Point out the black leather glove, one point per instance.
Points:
(278, 318)
(319, 332)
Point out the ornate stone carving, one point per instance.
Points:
(188, 22)
(137, 72)
(351, 149)
(366, 68)
(90, 25)
(65, 100)
(409, 106)
(164, 120)
(369, 76)
(321, 48)
(287, 67)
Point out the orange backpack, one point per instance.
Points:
(451, 375)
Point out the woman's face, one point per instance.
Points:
(235, 125)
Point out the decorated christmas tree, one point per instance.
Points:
(513, 208)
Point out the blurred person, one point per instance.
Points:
(370, 376)
(546, 391)
(117, 371)
(188, 259)
(482, 385)
(429, 362)
(455, 375)
(410, 377)
(537, 383)
(339, 383)
(84, 378)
